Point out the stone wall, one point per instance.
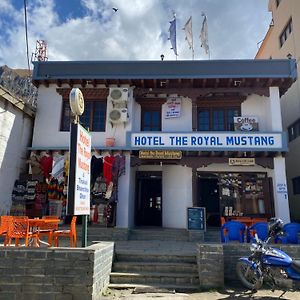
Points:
(217, 262)
(55, 273)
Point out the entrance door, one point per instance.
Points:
(148, 211)
(208, 196)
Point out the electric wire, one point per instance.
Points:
(26, 36)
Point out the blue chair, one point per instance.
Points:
(233, 231)
(260, 228)
(290, 231)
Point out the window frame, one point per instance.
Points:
(93, 103)
(296, 185)
(151, 109)
(294, 130)
(286, 32)
(211, 111)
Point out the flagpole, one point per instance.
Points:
(175, 52)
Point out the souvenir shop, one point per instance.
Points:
(43, 191)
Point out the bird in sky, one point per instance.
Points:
(115, 9)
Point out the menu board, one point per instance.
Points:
(196, 218)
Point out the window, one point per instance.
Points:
(286, 32)
(296, 185)
(217, 119)
(151, 120)
(278, 2)
(93, 118)
(294, 130)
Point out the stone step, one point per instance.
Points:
(162, 267)
(145, 287)
(145, 257)
(159, 234)
(156, 278)
(158, 237)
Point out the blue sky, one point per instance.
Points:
(91, 30)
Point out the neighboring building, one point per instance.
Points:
(174, 122)
(281, 41)
(16, 123)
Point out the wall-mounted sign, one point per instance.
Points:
(246, 141)
(196, 218)
(79, 175)
(160, 154)
(245, 161)
(245, 123)
(173, 107)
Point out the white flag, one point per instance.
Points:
(189, 32)
(204, 35)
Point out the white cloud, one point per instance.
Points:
(137, 30)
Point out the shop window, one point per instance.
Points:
(244, 194)
(217, 119)
(151, 120)
(294, 130)
(286, 32)
(296, 185)
(93, 118)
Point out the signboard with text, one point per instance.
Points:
(244, 161)
(173, 108)
(79, 175)
(252, 141)
(160, 154)
(196, 218)
(245, 123)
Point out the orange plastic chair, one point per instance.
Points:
(19, 229)
(71, 233)
(5, 221)
(48, 229)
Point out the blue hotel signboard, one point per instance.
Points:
(218, 141)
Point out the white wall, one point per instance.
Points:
(177, 195)
(124, 196)
(181, 124)
(255, 106)
(15, 137)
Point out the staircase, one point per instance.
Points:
(212, 235)
(172, 272)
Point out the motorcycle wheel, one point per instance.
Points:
(248, 276)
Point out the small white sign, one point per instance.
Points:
(82, 173)
(281, 188)
(173, 108)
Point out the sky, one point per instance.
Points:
(138, 30)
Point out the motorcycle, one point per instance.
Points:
(268, 265)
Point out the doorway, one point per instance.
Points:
(209, 197)
(148, 208)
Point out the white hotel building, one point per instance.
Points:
(194, 133)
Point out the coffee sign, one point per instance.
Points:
(245, 123)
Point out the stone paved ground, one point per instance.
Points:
(227, 293)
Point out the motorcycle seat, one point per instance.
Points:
(296, 265)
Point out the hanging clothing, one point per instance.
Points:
(118, 167)
(96, 168)
(46, 165)
(107, 168)
(58, 167)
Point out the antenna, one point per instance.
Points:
(40, 51)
